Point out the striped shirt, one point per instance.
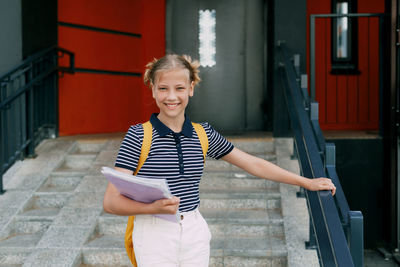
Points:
(177, 157)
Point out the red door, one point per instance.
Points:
(112, 42)
(347, 101)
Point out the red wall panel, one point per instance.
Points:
(99, 50)
(154, 38)
(341, 87)
(374, 70)
(101, 103)
(119, 15)
(352, 104)
(363, 91)
(98, 103)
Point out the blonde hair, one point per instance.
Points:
(169, 62)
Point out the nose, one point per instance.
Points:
(171, 95)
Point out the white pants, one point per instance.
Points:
(160, 243)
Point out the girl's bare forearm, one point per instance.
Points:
(117, 204)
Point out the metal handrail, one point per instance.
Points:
(338, 232)
(40, 54)
(25, 92)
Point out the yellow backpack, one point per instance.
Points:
(148, 135)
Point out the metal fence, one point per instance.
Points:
(335, 230)
(29, 105)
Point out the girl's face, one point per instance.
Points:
(171, 92)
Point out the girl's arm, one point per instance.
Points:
(118, 204)
(267, 170)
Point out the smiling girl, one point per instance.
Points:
(176, 154)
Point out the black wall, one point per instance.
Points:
(359, 164)
(39, 25)
(11, 35)
(290, 26)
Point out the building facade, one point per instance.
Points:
(356, 81)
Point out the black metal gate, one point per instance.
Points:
(397, 68)
(29, 105)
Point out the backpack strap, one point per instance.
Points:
(201, 133)
(146, 144)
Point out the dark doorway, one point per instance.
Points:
(232, 91)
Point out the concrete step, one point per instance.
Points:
(92, 257)
(81, 156)
(219, 180)
(240, 201)
(105, 246)
(14, 257)
(60, 184)
(235, 261)
(265, 229)
(242, 216)
(77, 162)
(255, 146)
(108, 233)
(220, 165)
(88, 147)
(248, 247)
(45, 205)
(23, 233)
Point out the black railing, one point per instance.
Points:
(29, 105)
(335, 231)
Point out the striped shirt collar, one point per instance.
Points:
(163, 130)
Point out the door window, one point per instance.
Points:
(344, 38)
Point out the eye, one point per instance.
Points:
(181, 88)
(162, 88)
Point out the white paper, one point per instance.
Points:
(144, 190)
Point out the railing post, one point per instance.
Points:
(314, 117)
(302, 192)
(2, 146)
(30, 116)
(330, 154)
(1, 183)
(311, 244)
(55, 100)
(304, 90)
(356, 237)
(314, 111)
(296, 63)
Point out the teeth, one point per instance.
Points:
(172, 105)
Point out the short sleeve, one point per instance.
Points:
(218, 146)
(130, 149)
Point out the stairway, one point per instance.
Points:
(243, 212)
(52, 211)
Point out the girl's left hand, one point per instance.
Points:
(317, 184)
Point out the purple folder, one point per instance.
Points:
(144, 190)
